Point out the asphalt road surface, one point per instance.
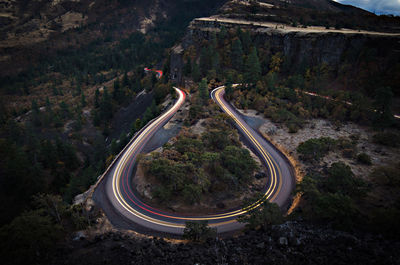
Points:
(124, 208)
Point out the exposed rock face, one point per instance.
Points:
(177, 62)
(300, 46)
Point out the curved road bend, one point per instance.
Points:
(280, 172)
(120, 201)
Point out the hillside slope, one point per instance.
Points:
(30, 30)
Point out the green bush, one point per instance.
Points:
(388, 176)
(192, 193)
(341, 180)
(315, 148)
(198, 231)
(332, 198)
(195, 165)
(265, 216)
(338, 209)
(364, 158)
(239, 162)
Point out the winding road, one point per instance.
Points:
(119, 200)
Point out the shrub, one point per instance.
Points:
(293, 128)
(198, 231)
(388, 176)
(192, 193)
(341, 180)
(315, 148)
(364, 158)
(239, 162)
(265, 216)
(387, 139)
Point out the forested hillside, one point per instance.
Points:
(58, 98)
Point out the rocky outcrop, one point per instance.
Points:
(177, 62)
(301, 47)
(290, 243)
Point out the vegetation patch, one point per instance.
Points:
(195, 167)
(315, 149)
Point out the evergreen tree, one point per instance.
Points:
(196, 75)
(237, 55)
(48, 105)
(203, 90)
(216, 62)
(96, 98)
(147, 116)
(117, 93)
(138, 124)
(228, 85)
(34, 106)
(64, 110)
(246, 40)
(187, 69)
(49, 112)
(253, 68)
(153, 79)
(105, 107)
(205, 61)
(166, 70)
(214, 41)
(123, 140)
(125, 80)
(222, 35)
(114, 148)
(154, 108)
(83, 100)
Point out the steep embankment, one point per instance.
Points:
(357, 58)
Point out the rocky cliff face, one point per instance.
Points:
(301, 47)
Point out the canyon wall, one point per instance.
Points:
(301, 47)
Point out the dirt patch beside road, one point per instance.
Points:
(288, 142)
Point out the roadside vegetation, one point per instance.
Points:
(331, 193)
(197, 166)
(56, 127)
(263, 217)
(199, 231)
(275, 88)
